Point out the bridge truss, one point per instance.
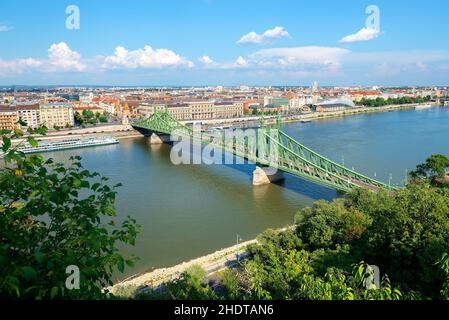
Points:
(269, 146)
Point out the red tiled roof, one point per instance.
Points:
(34, 106)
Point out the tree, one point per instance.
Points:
(88, 114)
(409, 232)
(434, 167)
(443, 265)
(53, 216)
(103, 119)
(79, 119)
(326, 225)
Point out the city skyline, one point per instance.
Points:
(197, 43)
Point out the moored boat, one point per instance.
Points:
(423, 106)
(56, 145)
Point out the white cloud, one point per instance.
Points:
(268, 35)
(62, 58)
(411, 57)
(363, 34)
(144, 58)
(241, 62)
(300, 60)
(18, 66)
(4, 28)
(211, 64)
(206, 60)
(300, 57)
(422, 66)
(392, 63)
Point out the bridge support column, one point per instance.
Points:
(266, 175)
(159, 138)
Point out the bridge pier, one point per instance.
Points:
(266, 175)
(159, 138)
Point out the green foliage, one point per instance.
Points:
(380, 102)
(88, 114)
(443, 265)
(434, 168)
(408, 234)
(189, 286)
(326, 225)
(89, 117)
(79, 119)
(53, 216)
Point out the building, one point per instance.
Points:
(30, 113)
(315, 87)
(86, 97)
(107, 107)
(8, 117)
(359, 95)
(276, 101)
(249, 103)
(267, 109)
(333, 105)
(193, 110)
(228, 109)
(180, 111)
(202, 110)
(59, 114)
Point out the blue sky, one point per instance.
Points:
(224, 42)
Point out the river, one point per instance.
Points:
(190, 210)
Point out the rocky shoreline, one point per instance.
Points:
(211, 263)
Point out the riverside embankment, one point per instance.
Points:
(211, 263)
(347, 112)
(121, 131)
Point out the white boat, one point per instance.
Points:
(423, 106)
(67, 144)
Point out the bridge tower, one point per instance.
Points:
(263, 175)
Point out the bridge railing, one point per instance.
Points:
(319, 161)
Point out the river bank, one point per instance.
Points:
(211, 263)
(347, 112)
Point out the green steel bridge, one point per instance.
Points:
(290, 155)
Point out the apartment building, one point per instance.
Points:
(8, 117)
(194, 110)
(146, 109)
(180, 111)
(202, 110)
(30, 113)
(228, 109)
(57, 114)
